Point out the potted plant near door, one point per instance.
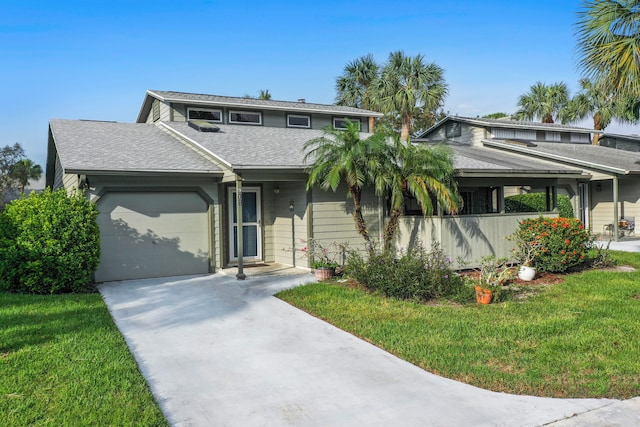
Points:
(322, 258)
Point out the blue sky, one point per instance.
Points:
(95, 59)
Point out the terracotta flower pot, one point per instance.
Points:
(483, 295)
(324, 273)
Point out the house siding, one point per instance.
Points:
(602, 203)
(464, 239)
(289, 229)
(333, 219)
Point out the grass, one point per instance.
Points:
(580, 338)
(63, 362)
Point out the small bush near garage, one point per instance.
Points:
(537, 202)
(562, 242)
(49, 243)
(419, 274)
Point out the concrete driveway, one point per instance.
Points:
(221, 352)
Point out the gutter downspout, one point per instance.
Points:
(239, 238)
(615, 208)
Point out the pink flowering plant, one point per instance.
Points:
(322, 255)
(561, 243)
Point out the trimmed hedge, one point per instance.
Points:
(49, 243)
(537, 202)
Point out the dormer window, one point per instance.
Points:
(245, 117)
(340, 123)
(214, 116)
(298, 121)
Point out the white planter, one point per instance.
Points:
(526, 273)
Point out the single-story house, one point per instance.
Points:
(202, 182)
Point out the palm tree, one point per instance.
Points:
(408, 87)
(354, 86)
(25, 170)
(341, 155)
(543, 101)
(596, 99)
(264, 94)
(419, 171)
(609, 44)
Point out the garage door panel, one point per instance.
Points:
(147, 234)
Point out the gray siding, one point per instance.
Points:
(469, 134)
(602, 202)
(289, 229)
(333, 220)
(464, 239)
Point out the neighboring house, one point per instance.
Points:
(167, 187)
(610, 188)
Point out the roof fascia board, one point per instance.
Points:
(268, 107)
(142, 172)
(557, 157)
(514, 173)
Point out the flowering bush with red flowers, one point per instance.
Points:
(562, 242)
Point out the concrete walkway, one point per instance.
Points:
(219, 352)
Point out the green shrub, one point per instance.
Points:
(562, 242)
(49, 243)
(416, 275)
(537, 202)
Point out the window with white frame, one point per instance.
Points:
(298, 121)
(245, 117)
(340, 123)
(579, 137)
(209, 115)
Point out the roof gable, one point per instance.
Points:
(252, 103)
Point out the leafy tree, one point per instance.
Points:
(595, 99)
(419, 171)
(9, 156)
(23, 171)
(408, 88)
(545, 102)
(608, 34)
(342, 156)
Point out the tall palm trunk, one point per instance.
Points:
(597, 125)
(406, 125)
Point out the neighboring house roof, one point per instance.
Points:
(578, 155)
(94, 146)
(512, 124)
(251, 103)
(251, 147)
(473, 159)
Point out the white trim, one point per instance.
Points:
(258, 224)
(299, 116)
(209, 110)
(333, 120)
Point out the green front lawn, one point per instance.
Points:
(63, 362)
(580, 338)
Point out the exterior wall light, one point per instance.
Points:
(291, 206)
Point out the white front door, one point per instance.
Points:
(251, 224)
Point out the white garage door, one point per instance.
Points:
(152, 234)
